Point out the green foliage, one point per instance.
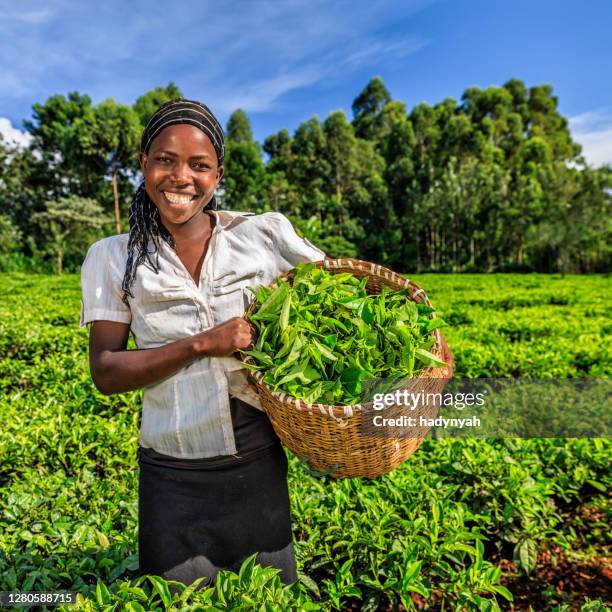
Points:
(244, 168)
(55, 131)
(146, 105)
(322, 334)
(253, 588)
(322, 234)
(10, 240)
(339, 179)
(493, 182)
(85, 150)
(108, 138)
(10, 236)
(481, 185)
(239, 127)
(430, 534)
(579, 233)
(23, 187)
(70, 224)
(18, 262)
(368, 107)
(525, 325)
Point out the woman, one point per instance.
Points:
(213, 485)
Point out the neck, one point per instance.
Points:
(192, 231)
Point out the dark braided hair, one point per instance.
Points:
(144, 219)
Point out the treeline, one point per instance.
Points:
(492, 183)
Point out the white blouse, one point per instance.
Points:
(187, 415)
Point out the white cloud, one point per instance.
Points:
(370, 51)
(31, 17)
(13, 135)
(593, 130)
(248, 54)
(278, 56)
(261, 95)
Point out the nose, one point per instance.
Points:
(181, 172)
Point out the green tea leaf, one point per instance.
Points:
(324, 350)
(526, 554)
(284, 317)
(429, 358)
(326, 330)
(263, 358)
(271, 307)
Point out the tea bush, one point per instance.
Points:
(436, 533)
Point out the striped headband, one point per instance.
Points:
(184, 111)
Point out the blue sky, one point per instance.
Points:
(284, 61)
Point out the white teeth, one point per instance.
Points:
(175, 198)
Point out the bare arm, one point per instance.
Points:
(115, 369)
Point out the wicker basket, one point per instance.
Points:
(330, 438)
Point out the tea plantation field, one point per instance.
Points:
(463, 524)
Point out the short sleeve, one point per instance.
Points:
(101, 288)
(289, 247)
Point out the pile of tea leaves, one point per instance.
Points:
(320, 336)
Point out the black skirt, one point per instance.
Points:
(194, 522)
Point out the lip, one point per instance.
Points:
(179, 193)
(175, 205)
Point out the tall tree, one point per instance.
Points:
(357, 198)
(279, 149)
(279, 193)
(575, 235)
(368, 106)
(146, 105)
(108, 137)
(309, 168)
(547, 123)
(70, 224)
(239, 127)
(66, 170)
(244, 168)
(491, 182)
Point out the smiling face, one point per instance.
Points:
(181, 173)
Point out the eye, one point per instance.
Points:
(162, 159)
(201, 166)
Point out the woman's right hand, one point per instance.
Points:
(115, 369)
(228, 337)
